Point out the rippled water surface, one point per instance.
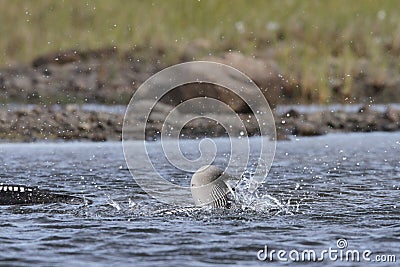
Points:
(331, 187)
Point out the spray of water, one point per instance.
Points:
(250, 194)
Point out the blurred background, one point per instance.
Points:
(93, 55)
(327, 51)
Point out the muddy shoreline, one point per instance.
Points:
(71, 122)
(51, 89)
(110, 76)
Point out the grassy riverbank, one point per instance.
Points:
(322, 46)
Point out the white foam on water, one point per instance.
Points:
(248, 196)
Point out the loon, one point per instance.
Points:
(209, 187)
(11, 194)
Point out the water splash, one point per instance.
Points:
(113, 204)
(248, 196)
(131, 204)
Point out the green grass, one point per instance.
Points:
(314, 42)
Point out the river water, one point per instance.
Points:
(342, 187)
